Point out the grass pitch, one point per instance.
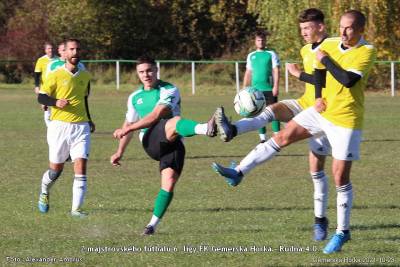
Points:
(266, 221)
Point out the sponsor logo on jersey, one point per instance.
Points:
(139, 101)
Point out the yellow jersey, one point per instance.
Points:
(308, 55)
(62, 84)
(345, 106)
(41, 66)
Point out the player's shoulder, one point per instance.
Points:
(136, 92)
(162, 85)
(331, 41)
(365, 45)
(251, 53)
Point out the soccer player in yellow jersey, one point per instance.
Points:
(66, 91)
(41, 73)
(313, 31)
(339, 115)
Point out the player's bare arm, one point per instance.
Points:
(247, 78)
(275, 76)
(159, 112)
(123, 143)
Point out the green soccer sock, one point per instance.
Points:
(262, 130)
(186, 127)
(163, 200)
(276, 126)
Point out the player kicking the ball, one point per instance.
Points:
(154, 109)
(339, 116)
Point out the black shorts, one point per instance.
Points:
(169, 154)
(269, 98)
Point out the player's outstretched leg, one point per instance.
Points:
(337, 241)
(232, 176)
(226, 130)
(188, 128)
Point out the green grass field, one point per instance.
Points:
(272, 208)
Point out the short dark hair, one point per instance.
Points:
(261, 33)
(72, 40)
(311, 14)
(359, 18)
(145, 59)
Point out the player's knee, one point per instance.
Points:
(53, 174)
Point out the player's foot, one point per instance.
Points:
(212, 127)
(232, 177)
(148, 230)
(321, 230)
(336, 242)
(225, 128)
(43, 203)
(79, 213)
(262, 141)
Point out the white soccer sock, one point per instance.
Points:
(320, 181)
(252, 124)
(261, 153)
(201, 128)
(154, 221)
(344, 205)
(262, 137)
(47, 182)
(78, 191)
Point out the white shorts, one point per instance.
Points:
(317, 144)
(345, 142)
(68, 139)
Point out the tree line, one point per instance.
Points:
(181, 29)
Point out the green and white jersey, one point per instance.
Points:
(261, 63)
(142, 102)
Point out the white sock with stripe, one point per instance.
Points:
(320, 181)
(344, 205)
(78, 191)
(252, 124)
(261, 153)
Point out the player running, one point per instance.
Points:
(66, 91)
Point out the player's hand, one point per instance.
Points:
(293, 69)
(36, 90)
(92, 126)
(62, 103)
(44, 107)
(320, 105)
(119, 133)
(275, 91)
(114, 160)
(320, 55)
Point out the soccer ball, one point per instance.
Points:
(249, 102)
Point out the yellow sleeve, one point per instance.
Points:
(38, 65)
(364, 61)
(50, 85)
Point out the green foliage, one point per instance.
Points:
(280, 19)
